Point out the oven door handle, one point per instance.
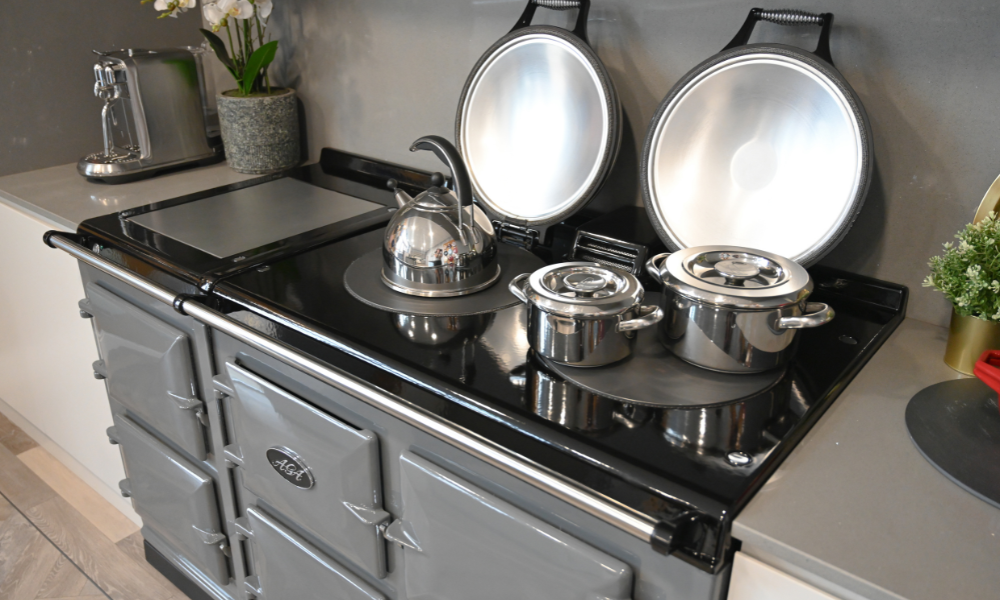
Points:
(664, 536)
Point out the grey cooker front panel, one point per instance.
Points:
(173, 497)
(288, 567)
(462, 542)
(655, 576)
(148, 367)
(344, 505)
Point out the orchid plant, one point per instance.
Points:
(248, 55)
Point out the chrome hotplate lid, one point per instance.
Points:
(764, 147)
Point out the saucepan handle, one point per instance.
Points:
(987, 369)
(787, 16)
(654, 268)
(648, 315)
(579, 31)
(816, 314)
(516, 287)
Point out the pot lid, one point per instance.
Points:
(538, 126)
(736, 277)
(583, 289)
(763, 146)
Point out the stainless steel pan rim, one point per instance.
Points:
(807, 69)
(526, 185)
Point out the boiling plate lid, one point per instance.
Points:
(583, 289)
(538, 124)
(737, 277)
(763, 146)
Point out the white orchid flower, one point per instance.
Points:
(172, 7)
(238, 9)
(264, 8)
(213, 14)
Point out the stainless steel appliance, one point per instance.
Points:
(583, 314)
(154, 115)
(439, 244)
(734, 309)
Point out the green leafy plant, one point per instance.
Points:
(968, 274)
(249, 53)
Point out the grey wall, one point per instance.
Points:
(376, 74)
(49, 114)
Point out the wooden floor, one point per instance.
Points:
(60, 539)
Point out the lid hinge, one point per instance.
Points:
(516, 235)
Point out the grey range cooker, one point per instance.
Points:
(284, 439)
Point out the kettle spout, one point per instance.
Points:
(402, 198)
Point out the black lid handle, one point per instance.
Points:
(579, 31)
(787, 16)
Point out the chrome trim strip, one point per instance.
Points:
(608, 510)
(86, 256)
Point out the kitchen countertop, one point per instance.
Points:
(857, 505)
(63, 198)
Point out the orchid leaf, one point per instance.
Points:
(258, 61)
(219, 47)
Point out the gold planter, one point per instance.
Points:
(968, 338)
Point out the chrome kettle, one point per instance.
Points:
(439, 244)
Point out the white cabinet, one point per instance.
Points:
(754, 580)
(46, 351)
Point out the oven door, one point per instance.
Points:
(149, 369)
(288, 567)
(174, 498)
(461, 542)
(313, 469)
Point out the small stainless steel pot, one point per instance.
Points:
(583, 314)
(734, 309)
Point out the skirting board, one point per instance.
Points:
(111, 495)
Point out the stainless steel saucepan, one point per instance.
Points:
(583, 314)
(734, 309)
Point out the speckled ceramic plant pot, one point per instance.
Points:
(260, 133)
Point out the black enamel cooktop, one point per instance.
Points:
(698, 466)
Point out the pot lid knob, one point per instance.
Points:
(585, 283)
(736, 271)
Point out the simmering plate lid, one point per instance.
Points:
(737, 277)
(583, 289)
(538, 126)
(761, 147)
